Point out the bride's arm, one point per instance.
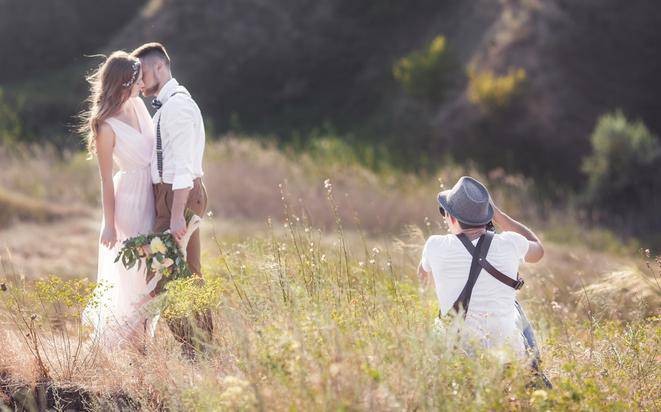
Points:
(105, 142)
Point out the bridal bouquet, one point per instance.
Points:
(161, 252)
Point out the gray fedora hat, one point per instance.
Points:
(468, 201)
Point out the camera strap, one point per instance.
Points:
(479, 262)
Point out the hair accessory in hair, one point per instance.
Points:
(134, 77)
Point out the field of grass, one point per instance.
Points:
(315, 302)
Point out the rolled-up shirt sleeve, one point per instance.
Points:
(180, 123)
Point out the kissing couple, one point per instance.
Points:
(159, 179)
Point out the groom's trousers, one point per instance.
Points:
(197, 203)
(182, 329)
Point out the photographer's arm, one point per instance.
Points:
(424, 276)
(535, 249)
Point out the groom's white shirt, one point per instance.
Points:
(182, 136)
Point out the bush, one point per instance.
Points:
(623, 169)
(10, 124)
(424, 73)
(491, 92)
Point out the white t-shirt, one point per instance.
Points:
(491, 311)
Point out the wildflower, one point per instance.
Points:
(334, 369)
(539, 395)
(376, 251)
(236, 393)
(647, 253)
(361, 263)
(323, 258)
(327, 184)
(556, 306)
(157, 246)
(210, 213)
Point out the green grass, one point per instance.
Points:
(321, 316)
(310, 320)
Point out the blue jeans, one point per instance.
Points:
(531, 344)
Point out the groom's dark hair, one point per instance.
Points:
(152, 49)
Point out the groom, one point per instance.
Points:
(176, 166)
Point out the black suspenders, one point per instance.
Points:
(159, 142)
(479, 262)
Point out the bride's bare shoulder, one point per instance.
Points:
(105, 133)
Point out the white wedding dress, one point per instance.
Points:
(114, 311)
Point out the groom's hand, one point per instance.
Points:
(177, 220)
(178, 226)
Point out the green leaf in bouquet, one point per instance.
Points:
(134, 258)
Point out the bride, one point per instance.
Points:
(119, 130)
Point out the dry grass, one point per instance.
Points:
(310, 315)
(15, 206)
(305, 323)
(243, 178)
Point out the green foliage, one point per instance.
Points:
(568, 232)
(492, 92)
(425, 73)
(623, 168)
(74, 293)
(48, 317)
(187, 296)
(329, 150)
(10, 123)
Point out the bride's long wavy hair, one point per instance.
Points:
(110, 87)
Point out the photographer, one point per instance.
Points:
(475, 270)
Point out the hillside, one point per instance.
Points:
(290, 67)
(582, 59)
(293, 64)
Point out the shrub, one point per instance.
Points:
(623, 168)
(492, 92)
(424, 73)
(10, 123)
